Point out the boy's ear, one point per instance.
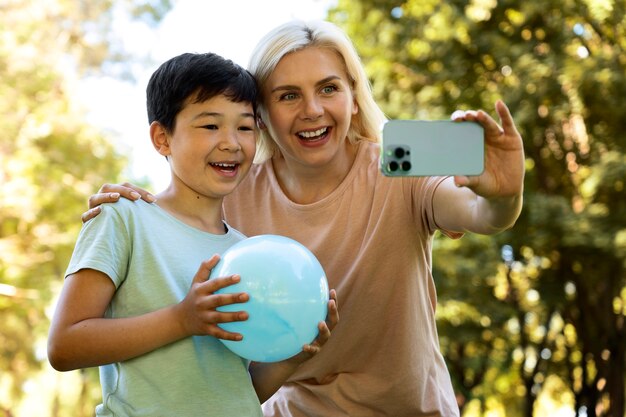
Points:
(160, 138)
(260, 123)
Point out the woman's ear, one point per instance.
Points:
(160, 138)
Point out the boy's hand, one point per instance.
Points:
(111, 193)
(325, 328)
(197, 312)
(267, 378)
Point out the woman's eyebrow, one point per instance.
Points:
(295, 87)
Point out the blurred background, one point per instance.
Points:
(531, 321)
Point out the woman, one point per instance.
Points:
(318, 181)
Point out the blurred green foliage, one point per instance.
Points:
(51, 160)
(542, 305)
(535, 312)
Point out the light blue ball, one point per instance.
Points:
(288, 296)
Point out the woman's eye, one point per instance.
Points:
(329, 89)
(288, 96)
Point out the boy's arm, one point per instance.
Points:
(81, 337)
(267, 378)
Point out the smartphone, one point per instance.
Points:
(414, 148)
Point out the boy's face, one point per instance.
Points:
(212, 146)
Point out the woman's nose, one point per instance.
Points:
(313, 108)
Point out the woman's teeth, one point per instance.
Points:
(313, 135)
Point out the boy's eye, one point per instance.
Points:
(246, 128)
(210, 127)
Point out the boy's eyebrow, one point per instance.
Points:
(206, 114)
(217, 114)
(294, 87)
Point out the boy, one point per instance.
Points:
(128, 305)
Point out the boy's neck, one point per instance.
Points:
(198, 211)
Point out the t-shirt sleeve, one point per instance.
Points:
(422, 196)
(103, 245)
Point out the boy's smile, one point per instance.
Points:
(212, 146)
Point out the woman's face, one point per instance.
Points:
(310, 105)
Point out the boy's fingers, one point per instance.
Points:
(218, 283)
(219, 300)
(229, 317)
(332, 317)
(311, 349)
(324, 331)
(219, 333)
(333, 297)
(205, 269)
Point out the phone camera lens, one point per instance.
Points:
(393, 166)
(406, 166)
(399, 152)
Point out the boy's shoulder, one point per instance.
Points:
(128, 208)
(124, 204)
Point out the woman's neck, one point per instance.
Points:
(309, 184)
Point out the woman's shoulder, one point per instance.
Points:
(368, 154)
(371, 148)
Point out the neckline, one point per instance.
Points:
(178, 221)
(330, 198)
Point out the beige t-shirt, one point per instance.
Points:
(373, 236)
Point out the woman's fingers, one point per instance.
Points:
(110, 193)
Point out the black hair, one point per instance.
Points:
(201, 75)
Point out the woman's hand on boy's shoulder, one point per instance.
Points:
(111, 193)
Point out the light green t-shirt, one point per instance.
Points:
(151, 257)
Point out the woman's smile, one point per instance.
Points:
(316, 137)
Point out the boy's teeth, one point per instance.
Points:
(316, 133)
(222, 165)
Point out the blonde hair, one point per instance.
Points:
(296, 35)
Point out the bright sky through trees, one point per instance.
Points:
(229, 28)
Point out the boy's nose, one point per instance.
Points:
(230, 142)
